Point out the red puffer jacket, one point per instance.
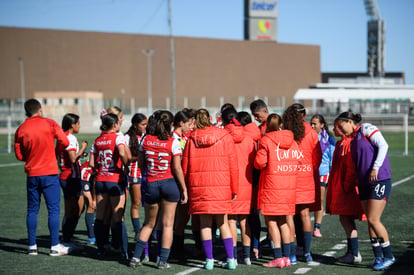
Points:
(278, 158)
(246, 152)
(342, 195)
(211, 171)
(252, 130)
(308, 172)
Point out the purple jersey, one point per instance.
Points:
(369, 150)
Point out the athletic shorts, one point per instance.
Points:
(86, 186)
(134, 180)
(161, 190)
(71, 188)
(106, 187)
(324, 180)
(379, 190)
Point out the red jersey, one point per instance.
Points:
(34, 143)
(134, 171)
(67, 169)
(108, 162)
(158, 156)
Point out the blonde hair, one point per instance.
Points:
(114, 110)
(203, 119)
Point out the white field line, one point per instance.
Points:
(11, 164)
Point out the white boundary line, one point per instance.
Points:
(11, 164)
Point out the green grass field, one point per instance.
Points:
(13, 237)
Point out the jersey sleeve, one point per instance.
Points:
(73, 143)
(376, 139)
(176, 148)
(120, 139)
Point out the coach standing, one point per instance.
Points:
(35, 144)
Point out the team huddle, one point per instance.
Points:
(221, 175)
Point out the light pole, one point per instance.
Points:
(22, 84)
(149, 53)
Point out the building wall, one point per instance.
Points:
(110, 63)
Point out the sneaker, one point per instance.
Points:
(146, 259)
(59, 250)
(309, 260)
(163, 265)
(293, 260)
(92, 241)
(358, 258)
(349, 258)
(386, 263)
(317, 233)
(135, 262)
(230, 264)
(32, 252)
(287, 261)
(209, 264)
(247, 261)
(278, 262)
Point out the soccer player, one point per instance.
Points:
(70, 178)
(369, 152)
(327, 142)
(35, 144)
(308, 173)
(109, 157)
(210, 166)
(160, 156)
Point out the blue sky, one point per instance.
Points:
(338, 26)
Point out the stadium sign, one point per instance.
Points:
(262, 8)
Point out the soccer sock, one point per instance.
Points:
(178, 243)
(117, 235)
(89, 220)
(208, 248)
(354, 249)
(164, 254)
(286, 249)
(316, 226)
(277, 252)
(67, 229)
(99, 234)
(136, 225)
(307, 237)
(139, 248)
(228, 246)
(146, 250)
(197, 239)
(386, 250)
(376, 248)
(105, 232)
(246, 251)
(124, 239)
(235, 252)
(292, 249)
(159, 240)
(298, 230)
(349, 248)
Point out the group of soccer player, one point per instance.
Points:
(220, 174)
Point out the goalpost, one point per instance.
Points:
(404, 118)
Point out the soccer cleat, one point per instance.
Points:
(135, 262)
(278, 262)
(287, 261)
(59, 250)
(317, 233)
(230, 264)
(247, 261)
(309, 260)
(386, 263)
(349, 258)
(209, 264)
(92, 241)
(146, 259)
(293, 260)
(163, 265)
(32, 252)
(377, 260)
